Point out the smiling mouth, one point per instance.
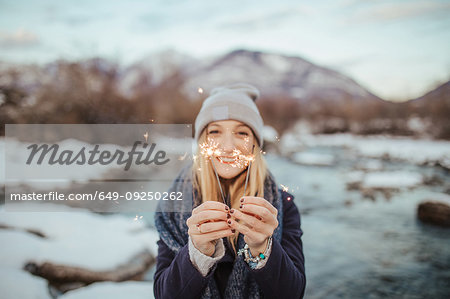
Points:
(227, 160)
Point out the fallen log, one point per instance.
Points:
(66, 278)
(28, 230)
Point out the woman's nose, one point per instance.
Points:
(228, 143)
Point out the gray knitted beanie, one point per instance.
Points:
(237, 102)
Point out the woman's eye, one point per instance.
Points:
(243, 133)
(213, 132)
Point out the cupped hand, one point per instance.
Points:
(257, 222)
(207, 224)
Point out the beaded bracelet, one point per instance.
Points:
(254, 261)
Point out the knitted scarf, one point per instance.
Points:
(170, 220)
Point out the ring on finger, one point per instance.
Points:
(199, 228)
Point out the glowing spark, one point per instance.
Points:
(137, 217)
(181, 158)
(285, 188)
(210, 149)
(200, 90)
(146, 136)
(289, 198)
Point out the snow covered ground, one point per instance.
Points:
(385, 179)
(415, 151)
(393, 179)
(73, 237)
(17, 283)
(308, 158)
(125, 290)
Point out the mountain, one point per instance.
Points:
(155, 68)
(435, 105)
(276, 75)
(440, 93)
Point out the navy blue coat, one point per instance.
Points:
(283, 276)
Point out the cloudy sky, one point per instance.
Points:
(397, 49)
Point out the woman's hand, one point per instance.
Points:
(258, 220)
(207, 224)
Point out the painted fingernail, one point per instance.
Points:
(241, 206)
(229, 221)
(232, 211)
(228, 216)
(226, 208)
(233, 230)
(242, 199)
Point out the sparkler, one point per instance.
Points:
(285, 188)
(248, 171)
(210, 149)
(218, 181)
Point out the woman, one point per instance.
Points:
(240, 235)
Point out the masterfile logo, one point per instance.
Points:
(104, 168)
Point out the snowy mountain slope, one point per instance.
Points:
(279, 75)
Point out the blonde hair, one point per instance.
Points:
(205, 181)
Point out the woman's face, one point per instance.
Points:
(234, 141)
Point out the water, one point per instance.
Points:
(366, 249)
